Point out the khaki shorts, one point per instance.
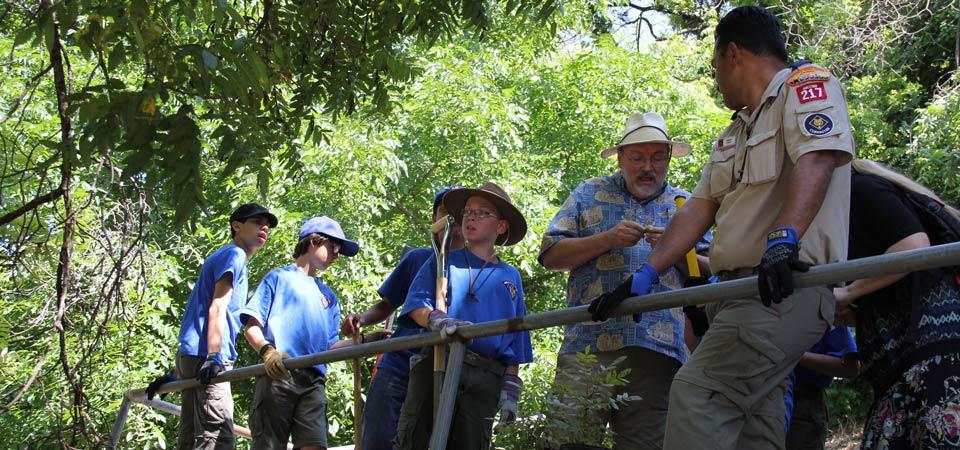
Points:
(294, 407)
(636, 424)
(206, 416)
(729, 394)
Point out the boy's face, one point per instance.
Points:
(481, 221)
(252, 233)
(325, 254)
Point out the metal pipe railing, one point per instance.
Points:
(887, 264)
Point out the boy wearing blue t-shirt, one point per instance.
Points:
(293, 313)
(481, 288)
(835, 355)
(210, 324)
(389, 387)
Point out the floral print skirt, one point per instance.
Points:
(921, 410)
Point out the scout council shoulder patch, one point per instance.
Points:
(808, 75)
(512, 289)
(818, 124)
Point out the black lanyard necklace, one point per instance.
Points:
(470, 293)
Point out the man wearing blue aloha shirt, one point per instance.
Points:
(602, 234)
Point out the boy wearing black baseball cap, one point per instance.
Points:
(210, 324)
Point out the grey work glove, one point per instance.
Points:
(509, 397)
(440, 321)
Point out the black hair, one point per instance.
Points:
(754, 28)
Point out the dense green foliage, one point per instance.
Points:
(171, 114)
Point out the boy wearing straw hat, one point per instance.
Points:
(481, 288)
(603, 233)
(293, 313)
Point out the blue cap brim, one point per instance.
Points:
(348, 248)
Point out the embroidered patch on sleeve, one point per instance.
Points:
(512, 289)
(808, 75)
(811, 92)
(818, 124)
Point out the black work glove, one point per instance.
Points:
(696, 313)
(640, 283)
(157, 382)
(781, 258)
(212, 367)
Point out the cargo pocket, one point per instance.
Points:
(216, 409)
(721, 172)
(750, 356)
(763, 159)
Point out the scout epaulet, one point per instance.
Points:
(805, 72)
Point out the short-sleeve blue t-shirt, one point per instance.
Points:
(476, 292)
(193, 328)
(837, 342)
(299, 314)
(395, 289)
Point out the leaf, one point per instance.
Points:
(209, 59)
(24, 35)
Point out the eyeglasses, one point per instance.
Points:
(658, 159)
(478, 214)
(334, 246)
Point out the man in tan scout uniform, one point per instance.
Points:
(777, 174)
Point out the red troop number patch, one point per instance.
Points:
(811, 92)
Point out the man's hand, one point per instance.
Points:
(625, 234)
(640, 283)
(273, 362)
(212, 367)
(653, 234)
(781, 258)
(157, 382)
(509, 397)
(351, 324)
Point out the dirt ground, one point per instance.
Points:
(846, 438)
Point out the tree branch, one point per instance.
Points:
(46, 198)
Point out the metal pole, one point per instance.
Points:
(900, 262)
(119, 423)
(448, 397)
(357, 401)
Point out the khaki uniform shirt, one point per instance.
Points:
(750, 169)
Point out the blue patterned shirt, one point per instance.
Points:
(595, 206)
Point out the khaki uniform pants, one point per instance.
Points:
(729, 394)
(636, 424)
(206, 416)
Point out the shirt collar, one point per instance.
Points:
(772, 90)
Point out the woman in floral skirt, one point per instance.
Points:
(908, 325)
